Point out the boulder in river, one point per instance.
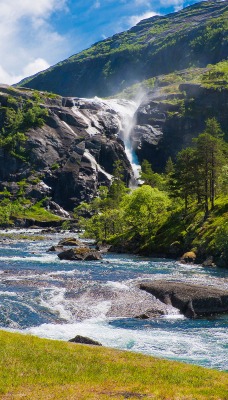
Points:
(80, 254)
(191, 299)
(85, 340)
(188, 257)
(56, 248)
(70, 242)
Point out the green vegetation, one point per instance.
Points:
(213, 76)
(18, 116)
(148, 220)
(40, 369)
(22, 208)
(192, 37)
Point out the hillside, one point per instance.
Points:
(33, 368)
(193, 37)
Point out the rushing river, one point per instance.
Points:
(41, 295)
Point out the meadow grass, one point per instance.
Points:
(38, 369)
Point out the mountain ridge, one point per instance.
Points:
(161, 44)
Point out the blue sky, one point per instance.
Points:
(38, 33)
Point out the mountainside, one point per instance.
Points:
(195, 36)
(64, 148)
(58, 149)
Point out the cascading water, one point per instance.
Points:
(122, 112)
(126, 110)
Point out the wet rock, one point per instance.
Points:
(80, 254)
(56, 248)
(70, 242)
(149, 314)
(209, 262)
(85, 340)
(192, 300)
(103, 248)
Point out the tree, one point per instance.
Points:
(210, 158)
(144, 209)
(183, 181)
(117, 189)
(169, 168)
(149, 177)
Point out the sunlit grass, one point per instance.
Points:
(33, 368)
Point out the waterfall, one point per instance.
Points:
(124, 110)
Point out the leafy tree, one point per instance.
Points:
(149, 177)
(144, 209)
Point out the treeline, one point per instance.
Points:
(191, 185)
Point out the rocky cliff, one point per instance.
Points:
(69, 156)
(169, 118)
(73, 152)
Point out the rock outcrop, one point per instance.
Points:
(192, 300)
(70, 156)
(167, 123)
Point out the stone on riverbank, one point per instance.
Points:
(84, 340)
(192, 300)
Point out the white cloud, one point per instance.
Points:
(30, 69)
(28, 40)
(134, 19)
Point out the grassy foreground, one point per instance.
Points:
(37, 369)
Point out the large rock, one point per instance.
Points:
(192, 300)
(80, 254)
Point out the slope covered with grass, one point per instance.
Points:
(32, 368)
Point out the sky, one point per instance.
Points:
(35, 34)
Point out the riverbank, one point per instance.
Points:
(44, 369)
(204, 240)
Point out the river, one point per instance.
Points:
(46, 297)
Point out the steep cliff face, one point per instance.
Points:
(195, 36)
(167, 122)
(69, 156)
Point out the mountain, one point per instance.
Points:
(193, 37)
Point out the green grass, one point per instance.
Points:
(38, 214)
(38, 369)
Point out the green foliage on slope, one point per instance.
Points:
(195, 36)
(17, 117)
(183, 209)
